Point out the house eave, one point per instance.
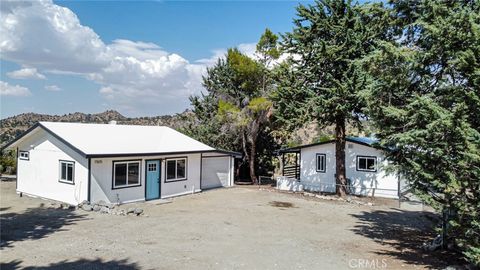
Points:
(115, 155)
(298, 148)
(39, 125)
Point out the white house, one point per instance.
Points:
(73, 162)
(314, 168)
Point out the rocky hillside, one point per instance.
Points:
(312, 133)
(15, 125)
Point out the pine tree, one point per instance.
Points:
(424, 97)
(322, 80)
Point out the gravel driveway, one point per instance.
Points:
(236, 228)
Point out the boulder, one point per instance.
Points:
(130, 210)
(102, 203)
(110, 205)
(104, 210)
(96, 208)
(67, 206)
(87, 207)
(83, 203)
(138, 211)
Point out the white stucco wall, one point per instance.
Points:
(39, 176)
(192, 184)
(309, 177)
(385, 185)
(101, 180)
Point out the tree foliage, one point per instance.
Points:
(237, 104)
(424, 98)
(8, 161)
(322, 79)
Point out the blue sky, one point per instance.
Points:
(140, 58)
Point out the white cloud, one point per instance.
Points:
(26, 73)
(51, 38)
(138, 50)
(248, 49)
(52, 88)
(13, 90)
(48, 36)
(141, 77)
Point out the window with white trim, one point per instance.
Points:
(176, 169)
(67, 171)
(366, 163)
(24, 155)
(321, 162)
(126, 174)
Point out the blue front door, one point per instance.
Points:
(153, 180)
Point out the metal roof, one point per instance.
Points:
(103, 140)
(364, 140)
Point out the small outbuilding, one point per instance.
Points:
(73, 162)
(312, 167)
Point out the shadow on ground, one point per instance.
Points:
(403, 233)
(34, 223)
(81, 264)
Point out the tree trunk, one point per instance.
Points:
(251, 162)
(341, 179)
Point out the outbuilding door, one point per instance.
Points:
(215, 172)
(152, 187)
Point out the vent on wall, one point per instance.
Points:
(350, 145)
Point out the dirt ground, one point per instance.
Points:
(235, 228)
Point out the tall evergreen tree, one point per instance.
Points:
(322, 80)
(425, 100)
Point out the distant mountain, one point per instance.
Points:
(14, 126)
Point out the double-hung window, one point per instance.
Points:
(367, 163)
(176, 169)
(67, 172)
(321, 163)
(126, 174)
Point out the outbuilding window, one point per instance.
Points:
(24, 155)
(176, 169)
(67, 172)
(321, 163)
(126, 174)
(367, 163)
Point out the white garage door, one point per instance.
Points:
(215, 172)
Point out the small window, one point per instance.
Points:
(126, 174)
(176, 169)
(321, 163)
(67, 172)
(152, 167)
(368, 164)
(24, 155)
